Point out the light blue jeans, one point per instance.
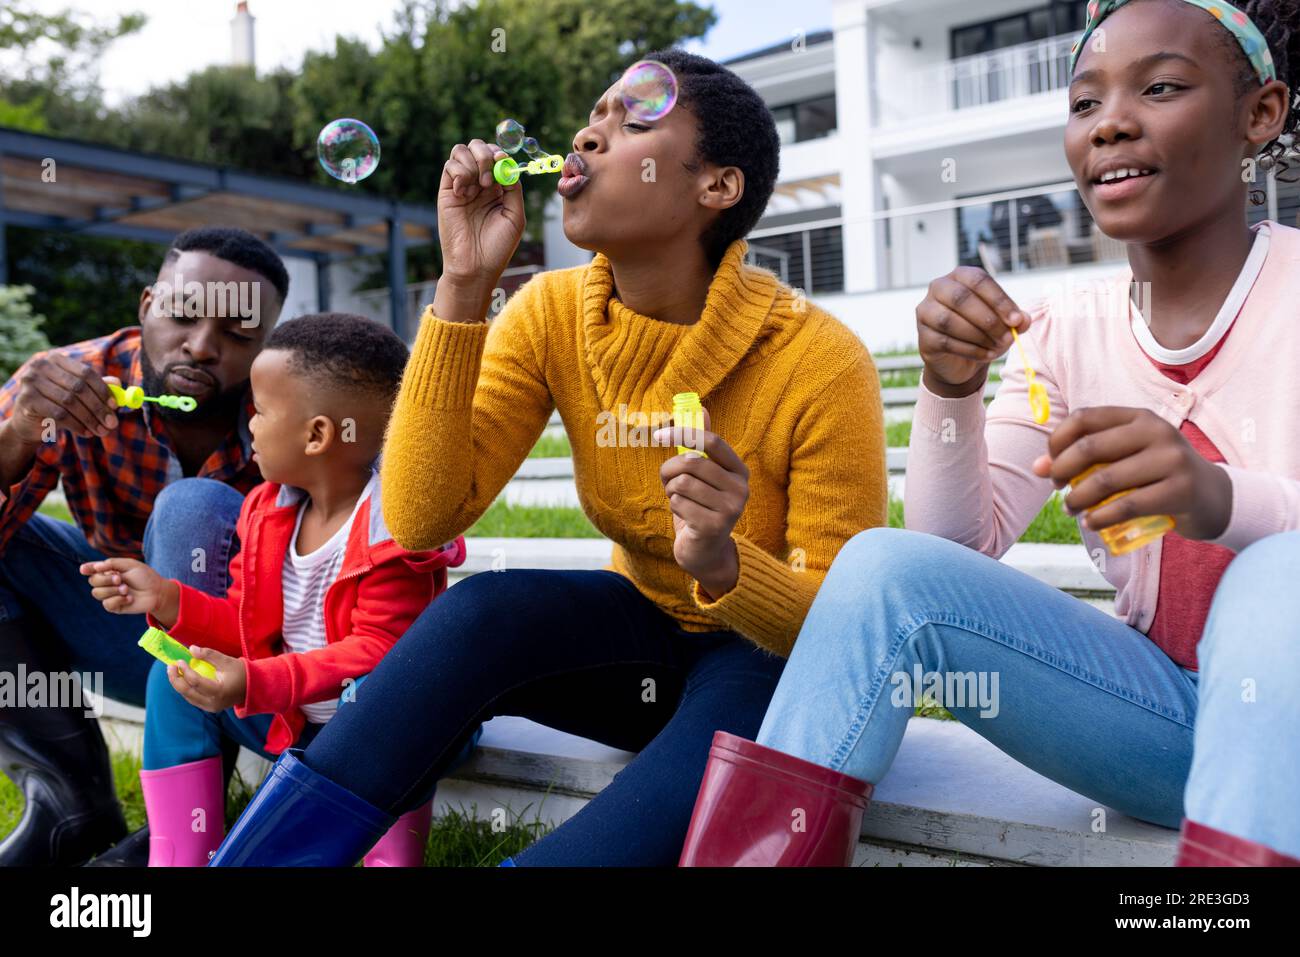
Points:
(1068, 690)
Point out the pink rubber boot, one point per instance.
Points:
(403, 845)
(178, 836)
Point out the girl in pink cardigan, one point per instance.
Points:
(1182, 709)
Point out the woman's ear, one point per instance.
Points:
(724, 188)
(1268, 112)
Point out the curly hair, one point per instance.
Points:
(736, 128)
(236, 246)
(1279, 21)
(343, 351)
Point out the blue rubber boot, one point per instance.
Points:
(299, 818)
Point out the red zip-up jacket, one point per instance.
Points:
(380, 589)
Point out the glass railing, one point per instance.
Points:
(1010, 73)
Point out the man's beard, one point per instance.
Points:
(226, 404)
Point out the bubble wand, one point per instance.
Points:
(133, 397)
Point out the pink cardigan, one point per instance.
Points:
(968, 468)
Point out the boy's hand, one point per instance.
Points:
(128, 587)
(480, 223)
(1146, 454)
(962, 325)
(706, 496)
(227, 690)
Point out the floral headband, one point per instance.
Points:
(1233, 20)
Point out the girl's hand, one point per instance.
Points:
(227, 690)
(480, 223)
(962, 325)
(1146, 454)
(128, 587)
(706, 496)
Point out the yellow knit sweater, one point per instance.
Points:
(788, 386)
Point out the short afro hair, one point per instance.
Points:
(344, 351)
(736, 128)
(236, 246)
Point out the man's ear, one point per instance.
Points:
(146, 301)
(724, 188)
(320, 435)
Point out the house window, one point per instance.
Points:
(807, 120)
(1054, 19)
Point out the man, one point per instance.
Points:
(155, 483)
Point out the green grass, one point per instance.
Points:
(532, 521)
(551, 446)
(456, 839)
(56, 510)
(898, 435)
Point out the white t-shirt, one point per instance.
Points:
(305, 579)
(1222, 322)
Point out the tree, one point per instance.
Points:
(20, 329)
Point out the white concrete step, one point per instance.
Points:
(1067, 567)
(949, 798)
(948, 794)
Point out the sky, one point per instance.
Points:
(187, 35)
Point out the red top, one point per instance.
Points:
(379, 592)
(1189, 570)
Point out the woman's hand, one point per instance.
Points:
(128, 587)
(706, 496)
(962, 325)
(1146, 454)
(216, 695)
(480, 223)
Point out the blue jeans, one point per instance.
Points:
(1080, 696)
(581, 651)
(176, 732)
(190, 536)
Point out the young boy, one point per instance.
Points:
(319, 591)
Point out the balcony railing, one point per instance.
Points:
(1006, 74)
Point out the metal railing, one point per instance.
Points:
(375, 302)
(1012, 72)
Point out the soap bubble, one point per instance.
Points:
(649, 90)
(510, 136)
(348, 150)
(531, 146)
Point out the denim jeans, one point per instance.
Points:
(190, 536)
(581, 651)
(176, 732)
(1081, 697)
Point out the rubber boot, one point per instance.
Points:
(299, 818)
(403, 845)
(186, 808)
(1202, 846)
(58, 759)
(759, 807)
(133, 850)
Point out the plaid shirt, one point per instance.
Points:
(111, 483)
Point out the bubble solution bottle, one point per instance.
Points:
(688, 413)
(1133, 534)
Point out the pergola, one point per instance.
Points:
(62, 184)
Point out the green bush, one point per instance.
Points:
(20, 329)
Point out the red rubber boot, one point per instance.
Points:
(1203, 846)
(759, 807)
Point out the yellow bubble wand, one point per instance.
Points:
(133, 397)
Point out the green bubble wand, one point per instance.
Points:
(133, 397)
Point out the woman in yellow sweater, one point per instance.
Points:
(715, 559)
